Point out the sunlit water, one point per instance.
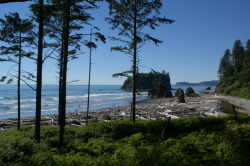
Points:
(102, 96)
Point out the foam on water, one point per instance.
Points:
(102, 96)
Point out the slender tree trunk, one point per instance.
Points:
(134, 65)
(60, 82)
(90, 55)
(19, 79)
(39, 74)
(60, 108)
(60, 64)
(64, 74)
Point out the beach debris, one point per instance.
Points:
(158, 109)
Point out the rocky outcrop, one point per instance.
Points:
(152, 93)
(168, 93)
(160, 92)
(146, 81)
(177, 92)
(208, 88)
(190, 92)
(180, 96)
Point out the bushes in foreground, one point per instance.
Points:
(184, 141)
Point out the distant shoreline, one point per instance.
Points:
(204, 83)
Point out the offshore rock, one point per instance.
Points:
(146, 81)
(208, 88)
(180, 96)
(160, 92)
(152, 93)
(190, 92)
(177, 92)
(168, 93)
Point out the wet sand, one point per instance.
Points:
(149, 109)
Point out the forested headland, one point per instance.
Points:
(146, 81)
(234, 71)
(203, 83)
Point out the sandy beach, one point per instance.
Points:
(149, 109)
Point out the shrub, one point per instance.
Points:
(186, 141)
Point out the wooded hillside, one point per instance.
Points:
(234, 71)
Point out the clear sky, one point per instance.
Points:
(191, 50)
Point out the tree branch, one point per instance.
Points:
(10, 1)
(29, 85)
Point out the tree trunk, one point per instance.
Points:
(19, 79)
(39, 74)
(64, 74)
(134, 65)
(60, 81)
(90, 63)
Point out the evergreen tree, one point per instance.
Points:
(238, 56)
(62, 25)
(15, 33)
(39, 71)
(131, 18)
(234, 71)
(245, 73)
(225, 67)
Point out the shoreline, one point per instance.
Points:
(147, 109)
(243, 105)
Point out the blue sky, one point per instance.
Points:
(191, 50)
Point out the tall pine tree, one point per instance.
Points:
(39, 71)
(63, 23)
(131, 18)
(225, 67)
(238, 54)
(15, 33)
(245, 73)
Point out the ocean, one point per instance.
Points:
(102, 96)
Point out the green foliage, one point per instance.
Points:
(186, 141)
(131, 18)
(234, 71)
(80, 17)
(10, 28)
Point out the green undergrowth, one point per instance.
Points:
(184, 141)
(231, 87)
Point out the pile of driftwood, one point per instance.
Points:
(155, 111)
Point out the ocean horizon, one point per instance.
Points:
(102, 96)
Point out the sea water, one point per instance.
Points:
(101, 96)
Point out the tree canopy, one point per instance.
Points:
(234, 71)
